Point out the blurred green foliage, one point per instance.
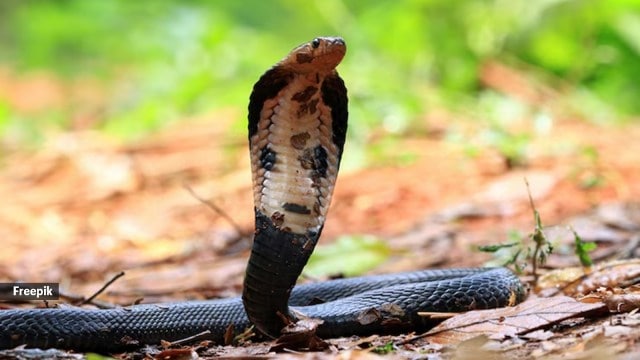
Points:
(349, 255)
(166, 59)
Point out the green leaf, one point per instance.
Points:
(495, 247)
(348, 255)
(92, 356)
(385, 349)
(583, 248)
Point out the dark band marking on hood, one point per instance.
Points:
(267, 158)
(277, 218)
(320, 164)
(304, 95)
(308, 108)
(313, 106)
(267, 87)
(299, 141)
(296, 208)
(334, 95)
(306, 160)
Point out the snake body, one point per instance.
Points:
(297, 127)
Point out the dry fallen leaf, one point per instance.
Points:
(529, 316)
(177, 354)
(575, 280)
(474, 349)
(300, 335)
(623, 302)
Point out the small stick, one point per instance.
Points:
(437, 315)
(190, 338)
(77, 300)
(216, 209)
(116, 277)
(414, 338)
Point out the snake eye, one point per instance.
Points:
(315, 43)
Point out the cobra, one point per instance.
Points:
(297, 129)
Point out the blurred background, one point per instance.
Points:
(109, 108)
(128, 68)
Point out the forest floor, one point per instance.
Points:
(83, 208)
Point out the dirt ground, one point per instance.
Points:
(83, 208)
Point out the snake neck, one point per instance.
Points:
(297, 124)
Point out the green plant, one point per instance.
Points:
(521, 251)
(582, 249)
(385, 349)
(587, 170)
(512, 146)
(348, 255)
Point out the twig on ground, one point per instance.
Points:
(103, 288)
(436, 315)
(189, 339)
(412, 339)
(80, 299)
(216, 209)
(628, 250)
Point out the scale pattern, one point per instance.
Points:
(348, 299)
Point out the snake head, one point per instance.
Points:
(321, 54)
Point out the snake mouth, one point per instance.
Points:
(297, 126)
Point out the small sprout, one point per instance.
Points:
(385, 349)
(591, 182)
(517, 252)
(588, 171)
(542, 246)
(519, 266)
(583, 249)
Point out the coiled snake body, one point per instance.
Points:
(297, 127)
